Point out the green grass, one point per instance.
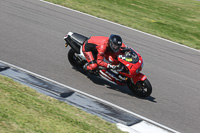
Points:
(176, 20)
(23, 110)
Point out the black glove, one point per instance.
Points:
(124, 49)
(111, 66)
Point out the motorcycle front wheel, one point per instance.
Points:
(141, 89)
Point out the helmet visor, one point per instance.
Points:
(114, 47)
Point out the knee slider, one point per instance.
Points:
(94, 66)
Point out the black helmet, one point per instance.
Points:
(115, 42)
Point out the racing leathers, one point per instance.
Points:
(96, 49)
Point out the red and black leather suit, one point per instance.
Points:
(95, 49)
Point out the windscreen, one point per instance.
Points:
(131, 56)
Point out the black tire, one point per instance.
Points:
(73, 60)
(141, 89)
(72, 57)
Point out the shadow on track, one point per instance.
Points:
(98, 80)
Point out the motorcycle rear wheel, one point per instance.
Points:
(74, 60)
(141, 89)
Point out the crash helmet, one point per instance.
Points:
(115, 42)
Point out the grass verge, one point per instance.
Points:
(22, 109)
(176, 20)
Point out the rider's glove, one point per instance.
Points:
(125, 49)
(111, 66)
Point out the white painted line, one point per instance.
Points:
(125, 128)
(96, 98)
(145, 127)
(119, 25)
(141, 127)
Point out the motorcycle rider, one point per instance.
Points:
(98, 47)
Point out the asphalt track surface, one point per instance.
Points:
(31, 35)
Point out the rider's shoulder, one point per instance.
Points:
(100, 37)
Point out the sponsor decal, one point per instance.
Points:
(144, 77)
(106, 76)
(109, 74)
(110, 59)
(129, 59)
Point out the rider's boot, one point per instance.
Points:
(85, 69)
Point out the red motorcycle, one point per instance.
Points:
(127, 71)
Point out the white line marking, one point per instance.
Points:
(96, 98)
(120, 25)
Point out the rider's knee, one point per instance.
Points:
(93, 66)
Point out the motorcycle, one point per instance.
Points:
(127, 73)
